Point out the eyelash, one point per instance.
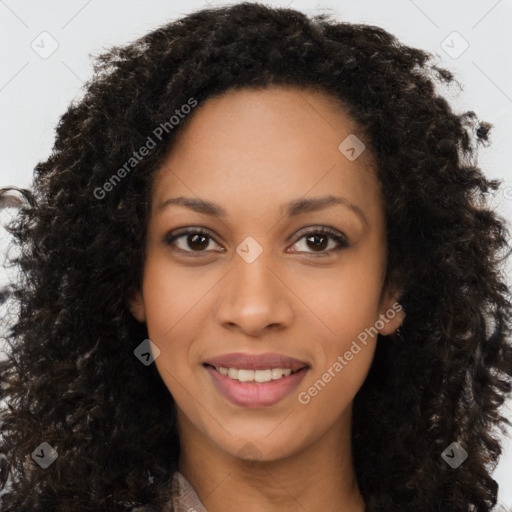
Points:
(170, 238)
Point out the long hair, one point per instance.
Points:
(71, 379)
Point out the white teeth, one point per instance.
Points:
(277, 373)
(263, 375)
(243, 375)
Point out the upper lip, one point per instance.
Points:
(256, 362)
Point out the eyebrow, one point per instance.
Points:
(293, 208)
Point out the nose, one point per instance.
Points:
(255, 298)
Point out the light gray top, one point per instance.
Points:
(185, 499)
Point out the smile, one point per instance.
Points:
(255, 388)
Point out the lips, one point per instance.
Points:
(252, 394)
(256, 362)
(255, 394)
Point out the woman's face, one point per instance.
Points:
(263, 278)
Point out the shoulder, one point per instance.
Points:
(182, 497)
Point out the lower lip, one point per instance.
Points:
(255, 394)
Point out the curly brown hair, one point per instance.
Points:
(71, 378)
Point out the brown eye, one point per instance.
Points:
(197, 241)
(190, 240)
(318, 240)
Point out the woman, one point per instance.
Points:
(259, 273)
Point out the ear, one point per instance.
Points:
(136, 306)
(392, 313)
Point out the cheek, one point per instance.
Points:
(343, 301)
(327, 395)
(171, 298)
(177, 302)
(343, 359)
(345, 316)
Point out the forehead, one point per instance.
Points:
(271, 144)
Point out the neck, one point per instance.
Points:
(320, 477)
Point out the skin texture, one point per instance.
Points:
(251, 151)
(72, 377)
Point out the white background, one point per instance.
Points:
(35, 92)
